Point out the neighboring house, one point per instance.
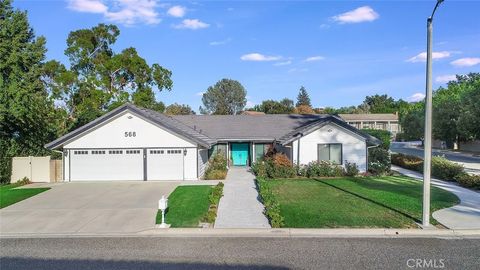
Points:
(132, 143)
(383, 121)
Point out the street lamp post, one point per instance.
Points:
(428, 125)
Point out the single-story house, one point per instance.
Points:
(132, 143)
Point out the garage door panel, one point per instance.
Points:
(106, 164)
(165, 164)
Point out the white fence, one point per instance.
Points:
(36, 169)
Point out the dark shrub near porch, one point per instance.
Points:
(275, 166)
(217, 167)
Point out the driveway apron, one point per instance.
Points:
(240, 206)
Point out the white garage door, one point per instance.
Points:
(106, 164)
(165, 164)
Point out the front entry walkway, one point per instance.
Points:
(465, 215)
(240, 206)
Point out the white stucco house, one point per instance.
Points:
(132, 143)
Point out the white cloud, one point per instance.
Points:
(193, 24)
(127, 12)
(259, 57)
(466, 62)
(177, 11)
(314, 58)
(285, 63)
(416, 97)
(250, 104)
(422, 57)
(220, 42)
(89, 6)
(361, 14)
(324, 26)
(445, 78)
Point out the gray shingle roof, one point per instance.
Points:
(269, 127)
(207, 130)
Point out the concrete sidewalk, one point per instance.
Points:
(240, 206)
(465, 215)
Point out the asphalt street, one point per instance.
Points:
(239, 253)
(471, 163)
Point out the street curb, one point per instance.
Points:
(270, 233)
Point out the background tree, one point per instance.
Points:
(469, 120)
(304, 109)
(225, 97)
(303, 98)
(28, 118)
(178, 109)
(284, 106)
(100, 79)
(380, 104)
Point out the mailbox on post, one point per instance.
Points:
(162, 206)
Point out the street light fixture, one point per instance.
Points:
(428, 125)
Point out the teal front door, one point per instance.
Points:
(240, 154)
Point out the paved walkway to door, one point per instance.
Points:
(465, 215)
(240, 206)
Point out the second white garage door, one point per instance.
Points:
(165, 164)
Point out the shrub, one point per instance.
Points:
(217, 167)
(272, 207)
(215, 175)
(323, 169)
(351, 169)
(276, 166)
(23, 181)
(444, 169)
(379, 162)
(383, 135)
(469, 181)
(407, 161)
(259, 168)
(214, 199)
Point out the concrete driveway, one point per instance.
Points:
(87, 208)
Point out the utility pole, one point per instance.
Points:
(427, 159)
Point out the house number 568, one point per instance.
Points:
(130, 134)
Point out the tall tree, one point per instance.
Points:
(100, 79)
(178, 109)
(28, 118)
(379, 104)
(303, 98)
(284, 106)
(225, 97)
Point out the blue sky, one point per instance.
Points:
(340, 51)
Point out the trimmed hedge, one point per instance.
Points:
(214, 198)
(442, 168)
(272, 207)
(322, 169)
(469, 181)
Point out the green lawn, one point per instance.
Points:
(386, 202)
(187, 205)
(9, 195)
